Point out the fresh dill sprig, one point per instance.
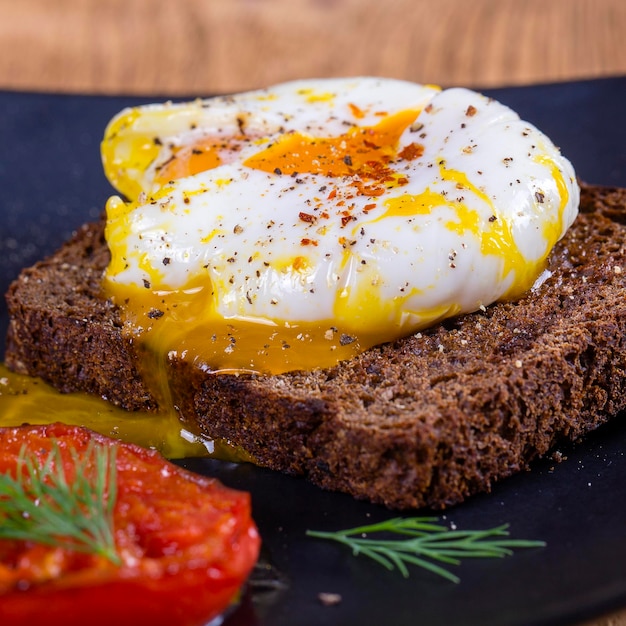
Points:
(42, 506)
(426, 545)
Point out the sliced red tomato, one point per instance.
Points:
(187, 544)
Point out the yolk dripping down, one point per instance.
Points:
(26, 399)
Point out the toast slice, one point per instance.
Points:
(421, 422)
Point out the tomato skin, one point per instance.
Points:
(187, 544)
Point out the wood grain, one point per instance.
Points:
(201, 47)
(211, 46)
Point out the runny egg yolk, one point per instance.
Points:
(26, 399)
(362, 150)
(278, 239)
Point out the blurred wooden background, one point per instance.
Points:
(202, 47)
(209, 46)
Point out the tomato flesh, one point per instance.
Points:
(187, 545)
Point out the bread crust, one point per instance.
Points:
(425, 421)
(62, 329)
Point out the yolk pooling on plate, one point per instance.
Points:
(29, 399)
(294, 227)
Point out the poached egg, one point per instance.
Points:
(299, 225)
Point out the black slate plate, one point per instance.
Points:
(51, 181)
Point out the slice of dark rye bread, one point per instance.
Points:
(424, 421)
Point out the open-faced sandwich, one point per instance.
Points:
(398, 291)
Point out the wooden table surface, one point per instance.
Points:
(210, 46)
(201, 47)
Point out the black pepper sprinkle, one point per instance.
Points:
(155, 314)
(146, 283)
(166, 260)
(539, 197)
(492, 218)
(346, 340)
(278, 171)
(348, 160)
